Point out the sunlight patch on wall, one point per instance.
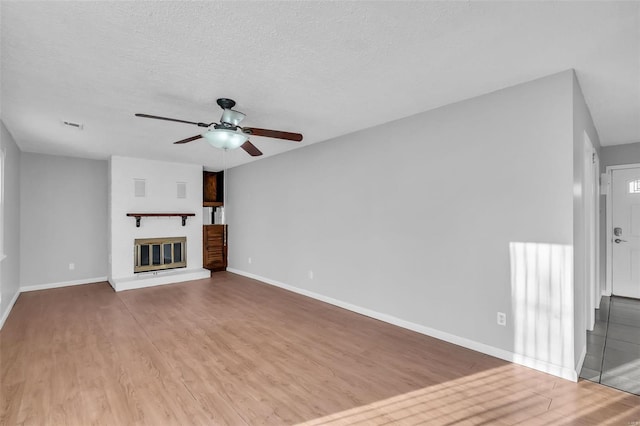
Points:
(542, 298)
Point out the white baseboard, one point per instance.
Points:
(556, 370)
(583, 355)
(160, 278)
(6, 313)
(62, 284)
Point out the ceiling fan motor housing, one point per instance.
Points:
(232, 117)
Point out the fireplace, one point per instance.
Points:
(154, 254)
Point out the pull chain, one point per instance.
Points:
(224, 186)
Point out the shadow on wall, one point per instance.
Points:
(542, 302)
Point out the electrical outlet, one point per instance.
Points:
(72, 266)
(310, 274)
(249, 261)
(502, 318)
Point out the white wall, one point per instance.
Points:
(161, 197)
(620, 154)
(10, 266)
(429, 220)
(63, 220)
(582, 123)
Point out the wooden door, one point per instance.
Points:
(214, 247)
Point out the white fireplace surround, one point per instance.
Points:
(169, 188)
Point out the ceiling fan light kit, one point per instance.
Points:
(225, 138)
(228, 134)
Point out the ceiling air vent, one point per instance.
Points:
(78, 126)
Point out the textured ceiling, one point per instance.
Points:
(320, 68)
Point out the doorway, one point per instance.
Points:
(623, 231)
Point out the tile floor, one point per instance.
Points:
(613, 347)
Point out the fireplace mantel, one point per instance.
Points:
(138, 216)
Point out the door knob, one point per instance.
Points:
(618, 241)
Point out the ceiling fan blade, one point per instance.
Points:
(172, 119)
(251, 149)
(297, 137)
(191, 139)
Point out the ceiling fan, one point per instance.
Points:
(228, 134)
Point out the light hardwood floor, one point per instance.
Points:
(230, 350)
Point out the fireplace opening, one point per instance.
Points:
(154, 254)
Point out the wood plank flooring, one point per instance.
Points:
(230, 350)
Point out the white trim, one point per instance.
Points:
(6, 313)
(152, 279)
(583, 355)
(623, 166)
(556, 370)
(37, 287)
(609, 209)
(590, 203)
(3, 178)
(597, 291)
(608, 278)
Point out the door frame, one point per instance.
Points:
(591, 210)
(609, 235)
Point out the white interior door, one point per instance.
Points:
(625, 215)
